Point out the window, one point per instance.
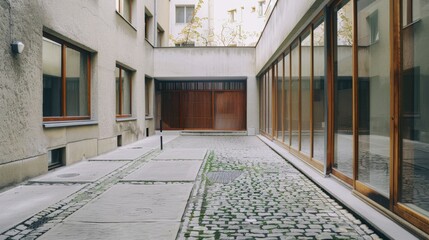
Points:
(231, 14)
(66, 81)
(56, 158)
(261, 8)
(123, 92)
(184, 14)
(160, 36)
(124, 8)
(148, 23)
(373, 26)
(148, 102)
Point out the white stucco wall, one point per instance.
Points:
(284, 18)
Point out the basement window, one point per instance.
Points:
(56, 158)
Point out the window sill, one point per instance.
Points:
(60, 124)
(412, 23)
(149, 117)
(123, 18)
(126, 119)
(147, 41)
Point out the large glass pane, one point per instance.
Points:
(374, 94)
(126, 9)
(343, 146)
(267, 106)
(126, 92)
(319, 125)
(305, 92)
(279, 82)
(414, 191)
(51, 78)
(180, 14)
(286, 100)
(117, 83)
(267, 95)
(76, 83)
(189, 13)
(270, 101)
(295, 97)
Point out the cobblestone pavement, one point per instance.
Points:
(247, 191)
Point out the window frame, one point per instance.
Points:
(64, 46)
(185, 9)
(120, 11)
(121, 97)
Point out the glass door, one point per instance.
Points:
(373, 99)
(342, 164)
(412, 198)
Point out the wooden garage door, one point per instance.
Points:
(230, 110)
(218, 105)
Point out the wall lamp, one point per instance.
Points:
(17, 46)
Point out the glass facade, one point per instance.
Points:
(354, 89)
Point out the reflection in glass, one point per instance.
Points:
(286, 99)
(180, 14)
(319, 125)
(118, 83)
(126, 92)
(270, 101)
(343, 138)
(374, 94)
(295, 97)
(279, 80)
(266, 97)
(76, 83)
(414, 191)
(305, 93)
(51, 78)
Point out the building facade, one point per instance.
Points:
(338, 83)
(82, 86)
(343, 90)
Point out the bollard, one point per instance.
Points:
(160, 130)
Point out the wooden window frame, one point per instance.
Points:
(121, 100)
(64, 46)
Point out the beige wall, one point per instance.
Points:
(96, 27)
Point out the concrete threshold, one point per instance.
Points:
(343, 194)
(212, 133)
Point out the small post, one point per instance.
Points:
(160, 130)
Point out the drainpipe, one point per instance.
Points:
(155, 24)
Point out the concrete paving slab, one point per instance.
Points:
(182, 153)
(107, 231)
(165, 171)
(21, 203)
(124, 154)
(154, 141)
(84, 172)
(133, 203)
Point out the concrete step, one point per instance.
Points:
(212, 133)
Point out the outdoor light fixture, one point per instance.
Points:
(17, 47)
